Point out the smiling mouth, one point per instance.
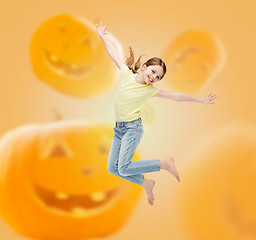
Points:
(78, 205)
(150, 79)
(64, 68)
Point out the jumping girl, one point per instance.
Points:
(134, 89)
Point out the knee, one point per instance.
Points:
(122, 171)
(111, 169)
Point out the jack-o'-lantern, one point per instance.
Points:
(68, 55)
(45, 195)
(217, 197)
(193, 59)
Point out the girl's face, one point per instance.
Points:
(152, 73)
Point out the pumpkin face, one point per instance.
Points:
(193, 58)
(68, 55)
(41, 167)
(217, 198)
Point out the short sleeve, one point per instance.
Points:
(155, 91)
(125, 72)
(124, 69)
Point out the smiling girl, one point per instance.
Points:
(134, 89)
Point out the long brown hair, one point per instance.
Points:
(152, 61)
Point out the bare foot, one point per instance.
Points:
(168, 164)
(148, 184)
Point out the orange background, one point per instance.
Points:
(149, 27)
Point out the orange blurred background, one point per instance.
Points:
(149, 27)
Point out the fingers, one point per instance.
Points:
(102, 30)
(212, 97)
(209, 99)
(106, 27)
(101, 25)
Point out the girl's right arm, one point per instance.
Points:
(110, 49)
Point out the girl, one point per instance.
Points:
(133, 91)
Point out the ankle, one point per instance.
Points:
(162, 164)
(147, 182)
(144, 183)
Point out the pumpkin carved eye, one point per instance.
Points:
(105, 145)
(56, 148)
(86, 41)
(103, 149)
(63, 30)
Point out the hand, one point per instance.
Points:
(101, 30)
(209, 99)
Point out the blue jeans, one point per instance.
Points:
(126, 139)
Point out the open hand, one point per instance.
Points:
(101, 30)
(209, 99)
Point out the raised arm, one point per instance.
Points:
(186, 98)
(102, 32)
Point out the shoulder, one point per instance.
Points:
(124, 67)
(124, 70)
(154, 91)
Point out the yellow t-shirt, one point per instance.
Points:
(131, 96)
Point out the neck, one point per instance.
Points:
(139, 78)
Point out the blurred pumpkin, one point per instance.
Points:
(68, 55)
(193, 58)
(45, 195)
(217, 196)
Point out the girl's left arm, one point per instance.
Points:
(181, 97)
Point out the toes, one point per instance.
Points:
(151, 202)
(178, 178)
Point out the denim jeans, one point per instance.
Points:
(127, 136)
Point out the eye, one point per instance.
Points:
(153, 71)
(158, 77)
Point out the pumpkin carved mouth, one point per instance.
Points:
(64, 68)
(77, 204)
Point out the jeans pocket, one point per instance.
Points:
(129, 125)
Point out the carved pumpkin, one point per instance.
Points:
(217, 198)
(45, 195)
(193, 58)
(68, 55)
